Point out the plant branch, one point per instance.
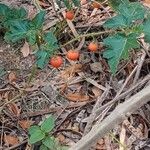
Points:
(88, 35)
(116, 117)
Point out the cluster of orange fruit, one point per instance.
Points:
(73, 55)
(57, 61)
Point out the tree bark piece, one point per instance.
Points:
(116, 117)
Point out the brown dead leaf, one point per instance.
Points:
(11, 140)
(61, 138)
(43, 4)
(146, 3)
(12, 77)
(77, 97)
(100, 145)
(70, 71)
(96, 91)
(25, 124)
(25, 50)
(14, 109)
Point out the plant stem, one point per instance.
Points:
(33, 72)
(88, 35)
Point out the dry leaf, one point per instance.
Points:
(43, 4)
(96, 91)
(70, 71)
(14, 109)
(77, 97)
(25, 50)
(12, 77)
(11, 140)
(61, 138)
(122, 138)
(25, 124)
(146, 3)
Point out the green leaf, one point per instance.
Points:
(146, 29)
(118, 48)
(115, 3)
(76, 2)
(42, 58)
(4, 9)
(33, 129)
(38, 20)
(2, 72)
(11, 15)
(118, 21)
(67, 4)
(18, 31)
(48, 124)
(132, 11)
(36, 135)
(43, 147)
(49, 142)
(50, 38)
(21, 29)
(128, 13)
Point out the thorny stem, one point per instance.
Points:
(88, 35)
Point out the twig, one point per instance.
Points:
(140, 64)
(88, 35)
(10, 101)
(123, 95)
(93, 114)
(117, 116)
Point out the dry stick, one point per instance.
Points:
(116, 117)
(93, 114)
(10, 101)
(140, 64)
(98, 111)
(123, 95)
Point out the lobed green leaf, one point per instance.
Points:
(36, 135)
(146, 29)
(119, 46)
(49, 142)
(48, 124)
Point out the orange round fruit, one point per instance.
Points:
(93, 47)
(96, 4)
(69, 15)
(56, 61)
(72, 55)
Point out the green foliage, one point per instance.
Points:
(25, 29)
(8, 15)
(48, 124)
(2, 72)
(41, 134)
(115, 3)
(128, 23)
(49, 142)
(47, 49)
(127, 15)
(37, 135)
(19, 27)
(118, 48)
(146, 29)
